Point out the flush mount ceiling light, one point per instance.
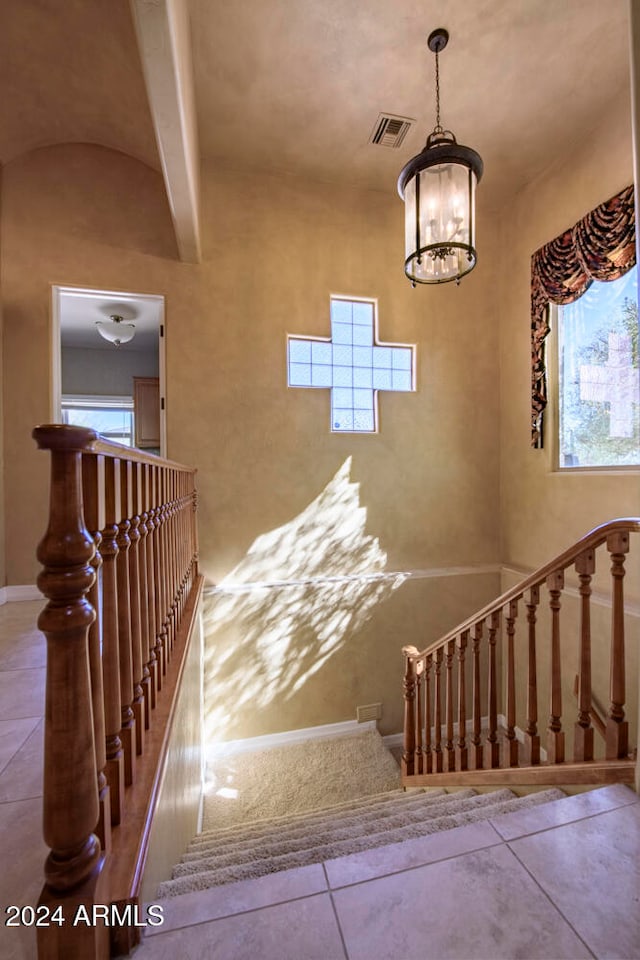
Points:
(115, 330)
(438, 187)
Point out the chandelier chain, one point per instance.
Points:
(438, 127)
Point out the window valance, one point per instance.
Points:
(601, 246)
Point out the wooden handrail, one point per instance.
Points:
(120, 573)
(595, 538)
(495, 625)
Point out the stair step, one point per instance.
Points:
(327, 830)
(266, 822)
(316, 819)
(196, 875)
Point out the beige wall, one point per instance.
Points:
(3, 567)
(274, 251)
(177, 805)
(542, 511)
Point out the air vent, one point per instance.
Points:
(390, 131)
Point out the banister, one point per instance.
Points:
(120, 573)
(591, 540)
(63, 436)
(504, 682)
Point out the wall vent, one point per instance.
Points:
(389, 130)
(372, 711)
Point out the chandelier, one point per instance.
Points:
(438, 187)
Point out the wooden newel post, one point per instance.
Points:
(70, 797)
(409, 685)
(617, 728)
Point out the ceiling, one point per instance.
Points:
(80, 310)
(296, 86)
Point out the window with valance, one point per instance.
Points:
(600, 246)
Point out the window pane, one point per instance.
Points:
(599, 390)
(113, 424)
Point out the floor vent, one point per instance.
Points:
(390, 131)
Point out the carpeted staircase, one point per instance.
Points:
(266, 846)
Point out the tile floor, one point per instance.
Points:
(557, 881)
(22, 849)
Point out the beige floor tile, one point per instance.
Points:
(22, 855)
(21, 779)
(13, 734)
(591, 870)
(298, 930)
(569, 809)
(412, 853)
(479, 905)
(239, 897)
(22, 650)
(22, 693)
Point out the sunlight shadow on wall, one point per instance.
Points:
(301, 592)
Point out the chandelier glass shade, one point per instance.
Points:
(115, 330)
(438, 187)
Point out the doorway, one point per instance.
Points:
(109, 364)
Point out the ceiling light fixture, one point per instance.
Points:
(115, 330)
(438, 187)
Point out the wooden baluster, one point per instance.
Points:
(617, 728)
(169, 571)
(161, 639)
(477, 754)
(137, 659)
(70, 803)
(493, 747)
(110, 644)
(159, 642)
(171, 625)
(418, 765)
(194, 525)
(532, 739)
(462, 751)
(147, 679)
(409, 685)
(428, 756)
(128, 725)
(450, 748)
(92, 471)
(437, 719)
(175, 565)
(152, 661)
(555, 741)
(511, 742)
(583, 731)
(164, 567)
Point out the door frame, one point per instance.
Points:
(56, 345)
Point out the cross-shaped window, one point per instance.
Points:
(352, 364)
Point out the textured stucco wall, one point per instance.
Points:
(544, 511)
(274, 250)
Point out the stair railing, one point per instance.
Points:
(484, 648)
(120, 573)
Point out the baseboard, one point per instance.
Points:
(270, 740)
(18, 593)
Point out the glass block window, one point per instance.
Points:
(352, 364)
